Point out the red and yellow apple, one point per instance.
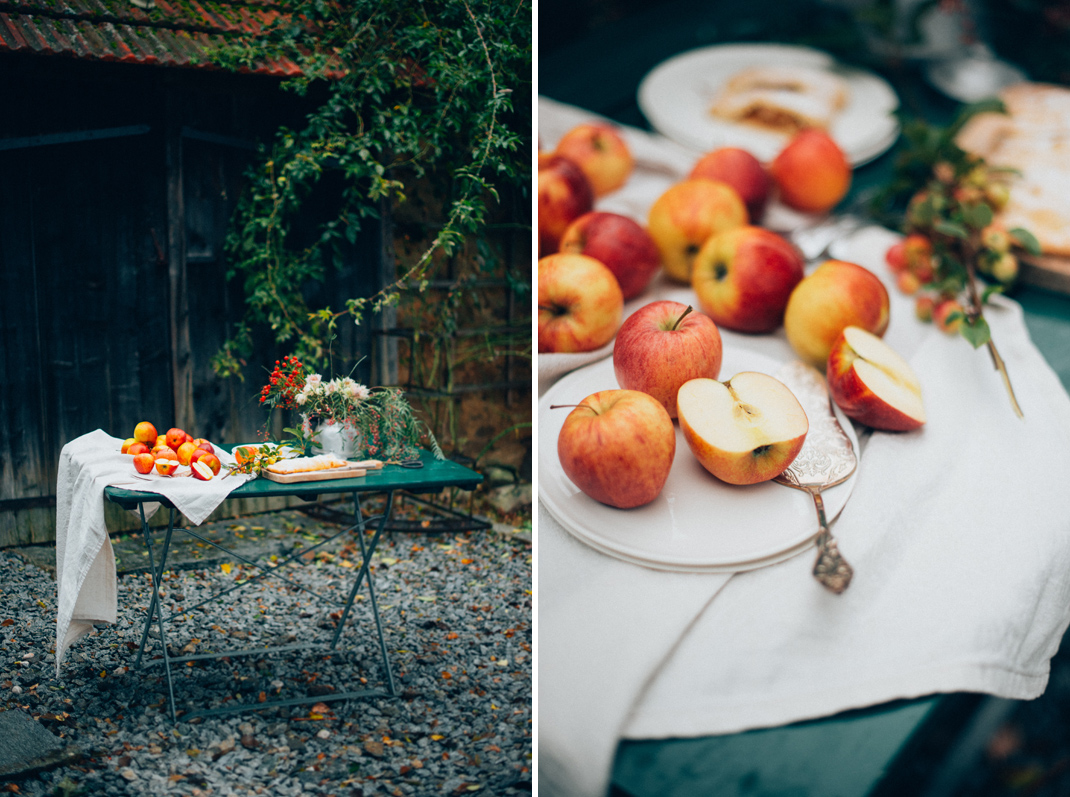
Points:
(662, 345)
(620, 244)
(741, 170)
(126, 445)
(139, 448)
(145, 433)
(746, 430)
(166, 466)
(580, 303)
(203, 444)
(811, 172)
(565, 194)
(744, 276)
(175, 437)
(144, 461)
(688, 213)
(185, 451)
(164, 450)
(601, 153)
(836, 295)
(872, 383)
(617, 446)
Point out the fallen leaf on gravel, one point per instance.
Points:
(373, 748)
(8, 621)
(249, 742)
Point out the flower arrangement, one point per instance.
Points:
(380, 418)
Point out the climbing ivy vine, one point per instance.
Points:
(434, 94)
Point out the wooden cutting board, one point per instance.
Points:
(352, 471)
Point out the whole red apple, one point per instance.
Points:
(743, 278)
(811, 173)
(835, 296)
(872, 384)
(580, 303)
(601, 153)
(144, 462)
(662, 345)
(565, 194)
(617, 446)
(620, 244)
(688, 213)
(138, 448)
(741, 170)
(175, 437)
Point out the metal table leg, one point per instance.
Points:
(155, 613)
(155, 606)
(366, 552)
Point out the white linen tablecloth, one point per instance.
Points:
(959, 534)
(85, 562)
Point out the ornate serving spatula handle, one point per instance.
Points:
(830, 568)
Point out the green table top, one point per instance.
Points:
(434, 475)
(600, 71)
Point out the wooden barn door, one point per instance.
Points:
(83, 310)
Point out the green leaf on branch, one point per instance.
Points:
(989, 291)
(977, 216)
(1027, 240)
(976, 331)
(951, 229)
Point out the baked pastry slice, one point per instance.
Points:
(1033, 139)
(782, 99)
(308, 464)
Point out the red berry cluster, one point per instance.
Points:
(284, 383)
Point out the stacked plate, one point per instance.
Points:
(697, 524)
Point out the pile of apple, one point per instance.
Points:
(167, 452)
(700, 231)
(618, 445)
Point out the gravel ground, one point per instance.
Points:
(456, 613)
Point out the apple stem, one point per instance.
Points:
(681, 318)
(567, 406)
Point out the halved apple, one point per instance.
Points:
(201, 471)
(745, 430)
(873, 384)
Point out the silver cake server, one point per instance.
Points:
(827, 458)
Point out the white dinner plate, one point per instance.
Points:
(676, 97)
(697, 524)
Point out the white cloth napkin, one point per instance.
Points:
(85, 562)
(959, 534)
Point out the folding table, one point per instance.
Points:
(431, 475)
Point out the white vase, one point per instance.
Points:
(338, 438)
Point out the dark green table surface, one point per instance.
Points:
(860, 752)
(434, 475)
